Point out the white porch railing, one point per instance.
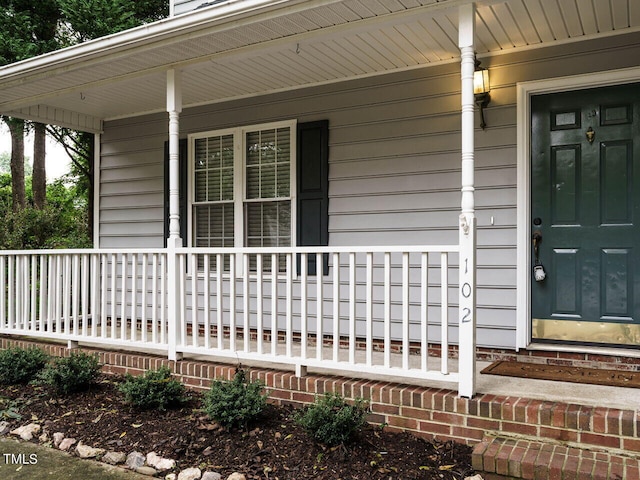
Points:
(372, 310)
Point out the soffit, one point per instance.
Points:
(282, 45)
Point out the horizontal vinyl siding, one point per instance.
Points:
(184, 6)
(394, 162)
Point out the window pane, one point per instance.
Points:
(268, 164)
(268, 224)
(214, 169)
(213, 225)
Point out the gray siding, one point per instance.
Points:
(394, 162)
(184, 6)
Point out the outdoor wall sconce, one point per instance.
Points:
(481, 90)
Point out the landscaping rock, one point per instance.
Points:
(160, 463)
(27, 432)
(85, 451)
(190, 474)
(475, 477)
(135, 460)
(4, 428)
(236, 476)
(43, 438)
(211, 476)
(171, 476)
(66, 443)
(57, 438)
(114, 458)
(147, 471)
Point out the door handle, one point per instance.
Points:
(538, 270)
(537, 240)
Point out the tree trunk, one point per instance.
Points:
(19, 197)
(39, 178)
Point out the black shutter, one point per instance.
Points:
(313, 189)
(182, 182)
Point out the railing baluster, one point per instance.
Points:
(219, 304)
(387, 309)
(85, 294)
(95, 294)
(303, 305)
(369, 307)
(75, 292)
(143, 299)
(232, 302)
(11, 292)
(163, 298)
(3, 292)
(43, 313)
(352, 307)
(336, 307)
(134, 297)
(123, 292)
(114, 271)
(104, 272)
(424, 310)
(34, 292)
(274, 304)
(444, 292)
(319, 307)
(289, 300)
(245, 302)
(67, 295)
(154, 298)
(405, 310)
(259, 299)
(182, 299)
(207, 300)
(195, 329)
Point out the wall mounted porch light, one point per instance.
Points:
(481, 90)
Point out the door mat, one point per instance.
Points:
(560, 373)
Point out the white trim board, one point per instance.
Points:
(524, 92)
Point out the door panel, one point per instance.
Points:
(585, 207)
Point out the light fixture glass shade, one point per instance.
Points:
(481, 81)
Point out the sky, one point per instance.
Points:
(57, 161)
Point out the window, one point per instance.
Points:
(243, 187)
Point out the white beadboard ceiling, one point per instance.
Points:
(244, 48)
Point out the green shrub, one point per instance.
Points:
(331, 420)
(71, 374)
(235, 403)
(19, 365)
(155, 390)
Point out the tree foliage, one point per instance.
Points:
(32, 27)
(89, 19)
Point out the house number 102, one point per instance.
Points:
(465, 289)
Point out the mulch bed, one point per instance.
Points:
(274, 448)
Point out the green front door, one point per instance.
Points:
(585, 213)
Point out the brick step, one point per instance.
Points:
(503, 458)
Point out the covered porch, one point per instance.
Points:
(391, 300)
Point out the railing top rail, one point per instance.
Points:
(334, 249)
(85, 251)
(243, 250)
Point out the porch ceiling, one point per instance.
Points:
(250, 47)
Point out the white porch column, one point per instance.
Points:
(174, 107)
(467, 232)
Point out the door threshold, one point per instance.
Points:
(588, 349)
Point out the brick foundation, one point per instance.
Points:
(424, 411)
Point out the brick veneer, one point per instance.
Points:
(428, 412)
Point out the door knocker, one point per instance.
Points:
(591, 134)
(538, 270)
